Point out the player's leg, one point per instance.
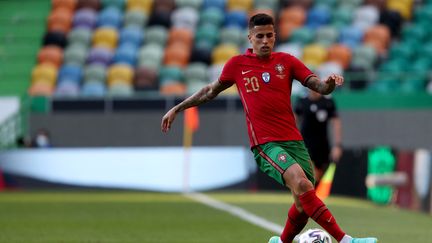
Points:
(273, 160)
(299, 179)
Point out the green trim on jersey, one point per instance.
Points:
(274, 158)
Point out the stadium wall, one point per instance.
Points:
(401, 129)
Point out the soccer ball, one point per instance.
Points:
(315, 236)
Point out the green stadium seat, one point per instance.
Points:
(302, 35)
(95, 73)
(196, 71)
(156, 35)
(75, 54)
(120, 4)
(135, 18)
(81, 36)
(326, 35)
(232, 35)
(196, 4)
(120, 89)
(150, 55)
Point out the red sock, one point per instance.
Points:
(296, 221)
(319, 212)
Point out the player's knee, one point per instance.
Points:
(304, 185)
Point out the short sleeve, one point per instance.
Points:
(299, 71)
(228, 72)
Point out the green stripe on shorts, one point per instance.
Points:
(274, 158)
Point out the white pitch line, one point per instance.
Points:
(236, 211)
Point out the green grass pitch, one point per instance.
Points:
(101, 216)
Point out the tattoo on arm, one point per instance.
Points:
(321, 87)
(202, 96)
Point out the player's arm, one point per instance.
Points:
(325, 87)
(336, 151)
(202, 96)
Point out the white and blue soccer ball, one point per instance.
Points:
(315, 236)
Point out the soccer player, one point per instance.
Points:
(263, 79)
(315, 112)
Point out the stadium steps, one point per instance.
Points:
(20, 39)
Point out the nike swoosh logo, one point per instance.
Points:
(328, 220)
(244, 72)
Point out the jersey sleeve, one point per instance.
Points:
(300, 71)
(228, 74)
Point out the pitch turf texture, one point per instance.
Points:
(92, 217)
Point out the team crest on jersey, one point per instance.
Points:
(266, 77)
(282, 157)
(280, 69)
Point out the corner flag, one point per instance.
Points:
(191, 124)
(324, 187)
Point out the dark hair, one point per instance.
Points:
(260, 19)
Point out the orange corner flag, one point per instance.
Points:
(324, 187)
(191, 125)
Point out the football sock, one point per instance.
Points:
(318, 211)
(295, 222)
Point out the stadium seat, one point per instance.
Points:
(92, 4)
(267, 4)
(85, 18)
(351, 36)
(223, 52)
(120, 73)
(185, 17)
(241, 5)
(340, 54)
(101, 55)
(80, 36)
(126, 53)
(120, 89)
(259, 10)
(290, 19)
(181, 35)
(365, 17)
(95, 72)
(41, 89)
(51, 54)
(196, 71)
(143, 6)
(150, 55)
(173, 88)
(60, 20)
(196, 4)
(56, 38)
(132, 35)
(105, 37)
(156, 35)
(45, 72)
(405, 50)
(326, 35)
(207, 36)
(146, 78)
(412, 31)
(70, 72)
(66, 4)
(177, 54)
(135, 18)
(215, 71)
(213, 16)
(314, 55)
(232, 35)
(302, 35)
(169, 74)
(93, 89)
(342, 16)
(364, 57)
(379, 37)
(110, 17)
(120, 4)
(220, 4)
(193, 86)
(201, 54)
(318, 16)
(403, 7)
(67, 88)
(295, 49)
(75, 54)
(236, 18)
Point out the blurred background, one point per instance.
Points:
(84, 84)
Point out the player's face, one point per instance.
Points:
(262, 38)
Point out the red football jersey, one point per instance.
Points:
(264, 86)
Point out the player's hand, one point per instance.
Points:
(168, 119)
(338, 80)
